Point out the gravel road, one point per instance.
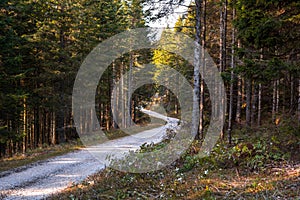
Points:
(41, 179)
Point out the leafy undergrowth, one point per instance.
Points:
(265, 166)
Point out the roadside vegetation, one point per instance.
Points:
(262, 163)
(48, 151)
(38, 154)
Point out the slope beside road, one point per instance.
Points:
(41, 179)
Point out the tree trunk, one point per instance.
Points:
(299, 100)
(201, 121)
(259, 105)
(277, 95)
(239, 100)
(232, 78)
(114, 96)
(129, 105)
(223, 33)
(239, 94)
(292, 95)
(274, 101)
(254, 102)
(24, 148)
(195, 117)
(248, 101)
(122, 95)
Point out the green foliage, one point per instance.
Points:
(43, 44)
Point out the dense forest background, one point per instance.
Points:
(256, 44)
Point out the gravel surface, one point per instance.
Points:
(41, 179)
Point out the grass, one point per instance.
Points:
(273, 172)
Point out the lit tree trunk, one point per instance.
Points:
(259, 105)
(201, 134)
(292, 92)
(274, 101)
(299, 100)
(248, 101)
(122, 95)
(114, 96)
(223, 33)
(129, 105)
(24, 126)
(239, 95)
(53, 128)
(230, 117)
(195, 117)
(254, 102)
(277, 95)
(259, 95)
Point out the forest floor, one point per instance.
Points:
(43, 178)
(270, 171)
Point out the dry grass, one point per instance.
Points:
(38, 154)
(168, 184)
(207, 179)
(45, 152)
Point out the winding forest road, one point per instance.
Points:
(41, 179)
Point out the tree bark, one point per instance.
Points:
(292, 95)
(254, 102)
(24, 148)
(129, 105)
(274, 101)
(248, 101)
(201, 121)
(259, 105)
(232, 78)
(223, 33)
(239, 100)
(299, 101)
(195, 117)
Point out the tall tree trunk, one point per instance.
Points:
(275, 106)
(24, 148)
(122, 100)
(195, 117)
(232, 78)
(259, 94)
(239, 100)
(53, 128)
(254, 102)
(36, 126)
(248, 101)
(240, 94)
(129, 105)
(277, 95)
(201, 121)
(292, 95)
(259, 105)
(114, 96)
(299, 100)
(274, 101)
(223, 33)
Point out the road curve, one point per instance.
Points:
(40, 180)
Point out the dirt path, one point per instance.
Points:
(41, 179)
